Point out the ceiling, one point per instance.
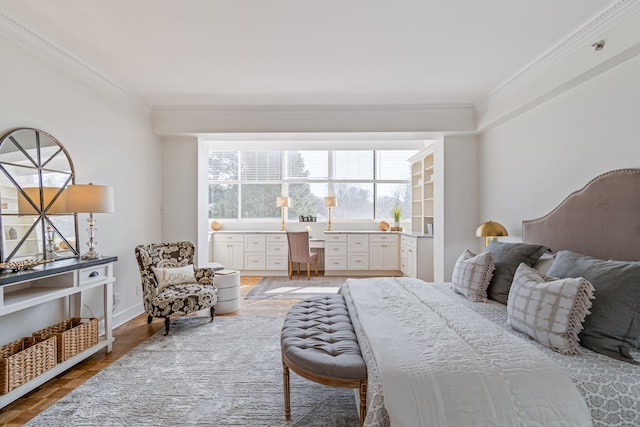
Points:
(303, 52)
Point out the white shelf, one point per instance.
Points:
(6, 399)
(49, 282)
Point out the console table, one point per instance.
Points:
(66, 278)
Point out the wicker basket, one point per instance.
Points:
(23, 360)
(73, 336)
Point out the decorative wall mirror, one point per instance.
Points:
(35, 169)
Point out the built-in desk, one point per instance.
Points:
(342, 253)
(316, 243)
(48, 282)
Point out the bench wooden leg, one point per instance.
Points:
(287, 391)
(363, 401)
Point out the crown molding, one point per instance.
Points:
(38, 44)
(607, 18)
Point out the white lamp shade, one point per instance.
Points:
(283, 202)
(330, 201)
(48, 193)
(89, 198)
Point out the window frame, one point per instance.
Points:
(331, 181)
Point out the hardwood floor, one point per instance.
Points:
(127, 337)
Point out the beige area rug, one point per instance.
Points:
(225, 373)
(295, 288)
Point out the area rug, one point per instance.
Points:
(295, 288)
(225, 373)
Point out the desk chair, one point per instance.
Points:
(299, 252)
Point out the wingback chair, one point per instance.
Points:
(178, 291)
(299, 252)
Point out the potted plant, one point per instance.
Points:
(397, 213)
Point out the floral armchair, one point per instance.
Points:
(192, 293)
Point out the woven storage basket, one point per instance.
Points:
(25, 359)
(73, 336)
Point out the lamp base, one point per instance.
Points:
(91, 254)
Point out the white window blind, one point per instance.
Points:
(356, 165)
(261, 165)
(223, 165)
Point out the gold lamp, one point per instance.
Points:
(283, 202)
(90, 199)
(330, 202)
(491, 231)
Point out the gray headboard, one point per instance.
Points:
(601, 220)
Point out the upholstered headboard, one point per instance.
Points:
(601, 220)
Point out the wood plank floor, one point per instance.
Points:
(127, 337)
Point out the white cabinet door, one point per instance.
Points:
(384, 253)
(228, 250)
(409, 256)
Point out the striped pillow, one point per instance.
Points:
(471, 275)
(548, 309)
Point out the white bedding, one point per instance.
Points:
(435, 362)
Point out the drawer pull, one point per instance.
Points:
(93, 274)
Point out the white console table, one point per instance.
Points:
(59, 279)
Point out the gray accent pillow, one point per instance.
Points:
(471, 275)
(548, 309)
(613, 327)
(507, 257)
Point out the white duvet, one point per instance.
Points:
(442, 364)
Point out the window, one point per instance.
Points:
(367, 183)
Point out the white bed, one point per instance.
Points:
(436, 358)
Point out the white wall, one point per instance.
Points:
(455, 202)
(110, 142)
(531, 163)
(184, 193)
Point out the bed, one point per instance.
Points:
(437, 357)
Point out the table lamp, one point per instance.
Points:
(330, 203)
(490, 231)
(283, 202)
(89, 198)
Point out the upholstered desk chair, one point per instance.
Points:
(299, 252)
(171, 284)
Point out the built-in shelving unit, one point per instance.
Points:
(422, 175)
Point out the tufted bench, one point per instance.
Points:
(318, 343)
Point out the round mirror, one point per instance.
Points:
(35, 170)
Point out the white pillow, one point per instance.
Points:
(174, 276)
(471, 275)
(548, 309)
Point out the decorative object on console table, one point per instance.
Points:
(90, 199)
(330, 202)
(491, 231)
(283, 202)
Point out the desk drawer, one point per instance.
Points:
(254, 261)
(335, 263)
(254, 243)
(277, 249)
(335, 249)
(330, 237)
(92, 275)
(358, 243)
(277, 263)
(358, 261)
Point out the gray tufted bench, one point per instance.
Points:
(318, 343)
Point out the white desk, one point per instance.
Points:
(316, 243)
